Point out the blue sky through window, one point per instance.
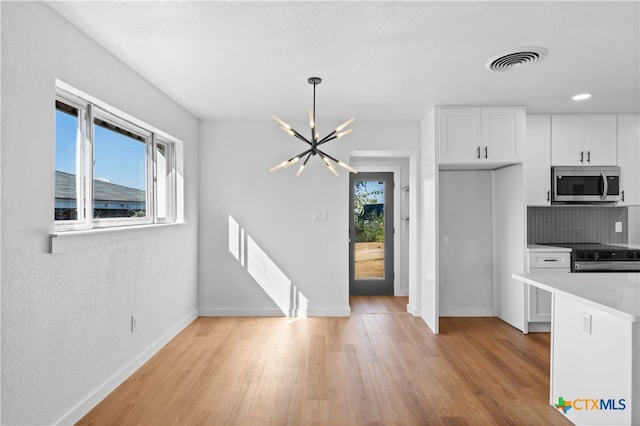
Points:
(117, 158)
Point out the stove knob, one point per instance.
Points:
(593, 255)
(631, 255)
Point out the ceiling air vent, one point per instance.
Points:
(515, 58)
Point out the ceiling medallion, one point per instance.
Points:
(315, 141)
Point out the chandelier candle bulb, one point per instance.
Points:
(300, 170)
(282, 123)
(291, 162)
(345, 124)
(348, 167)
(346, 132)
(279, 166)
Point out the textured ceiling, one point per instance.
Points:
(378, 60)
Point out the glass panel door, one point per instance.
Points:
(371, 233)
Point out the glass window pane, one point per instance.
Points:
(68, 139)
(369, 228)
(119, 172)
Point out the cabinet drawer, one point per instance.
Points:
(549, 260)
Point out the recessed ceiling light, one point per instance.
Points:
(581, 96)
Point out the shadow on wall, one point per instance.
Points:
(266, 273)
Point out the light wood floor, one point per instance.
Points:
(382, 366)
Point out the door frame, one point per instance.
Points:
(396, 170)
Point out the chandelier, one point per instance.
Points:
(316, 141)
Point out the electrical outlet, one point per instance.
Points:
(320, 215)
(586, 322)
(618, 226)
(135, 322)
(445, 240)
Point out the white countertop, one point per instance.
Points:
(532, 248)
(612, 292)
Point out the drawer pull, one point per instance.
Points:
(551, 260)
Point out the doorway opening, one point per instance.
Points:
(371, 230)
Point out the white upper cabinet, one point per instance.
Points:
(460, 134)
(503, 133)
(537, 165)
(583, 140)
(493, 135)
(629, 158)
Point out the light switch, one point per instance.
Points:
(618, 226)
(320, 215)
(586, 322)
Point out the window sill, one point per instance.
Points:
(63, 241)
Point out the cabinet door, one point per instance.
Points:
(546, 263)
(539, 305)
(600, 140)
(459, 134)
(537, 162)
(567, 140)
(629, 157)
(502, 134)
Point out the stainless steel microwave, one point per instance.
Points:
(585, 184)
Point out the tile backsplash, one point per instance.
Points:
(583, 224)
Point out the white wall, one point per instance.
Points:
(66, 337)
(465, 260)
(427, 289)
(301, 266)
(509, 244)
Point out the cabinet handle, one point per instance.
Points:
(548, 196)
(588, 156)
(622, 193)
(551, 260)
(582, 156)
(478, 153)
(486, 152)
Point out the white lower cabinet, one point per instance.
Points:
(539, 307)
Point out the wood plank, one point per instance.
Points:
(381, 366)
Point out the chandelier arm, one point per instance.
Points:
(324, 154)
(299, 155)
(303, 154)
(304, 164)
(331, 136)
(299, 136)
(313, 128)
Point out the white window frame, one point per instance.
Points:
(170, 195)
(88, 110)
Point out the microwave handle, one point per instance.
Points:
(605, 186)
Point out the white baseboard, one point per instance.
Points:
(413, 310)
(402, 293)
(84, 406)
(329, 312)
(539, 327)
(465, 312)
(272, 312)
(240, 312)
